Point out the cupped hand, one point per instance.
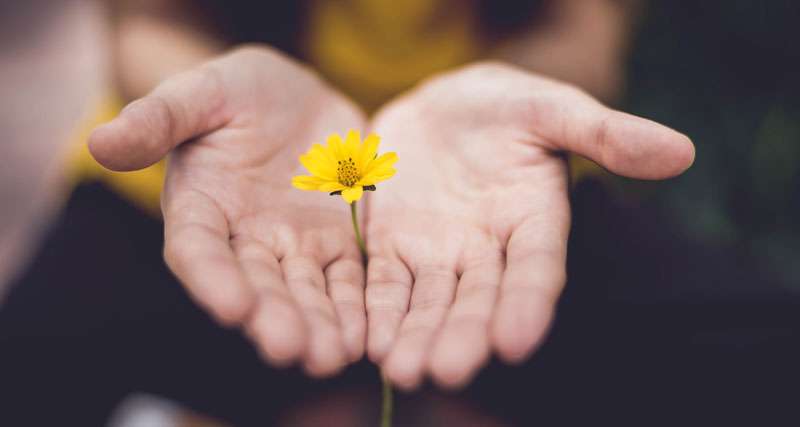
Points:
(468, 242)
(255, 252)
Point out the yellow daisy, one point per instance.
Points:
(347, 168)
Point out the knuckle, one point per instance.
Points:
(481, 291)
(382, 273)
(354, 305)
(417, 328)
(528, 291)
(211, 78)
(160, 117)
(545, 254)
(386, 307)
(472, 320)
(324, 315)
(601, 138)
(250, 249)
(434, 271)
(299, 268)
(430, 302)
(346, 268)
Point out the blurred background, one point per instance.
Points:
(683, 301)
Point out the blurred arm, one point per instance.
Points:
(583, 42)
(156, 39)
(52, 68)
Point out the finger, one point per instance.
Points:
(276, 326)
(622, 143)
(433, 291)
(532, 281)
(387, 296)
(345, 278)
(196, 249)
(325, 354)
(184, 106)
(463, 346)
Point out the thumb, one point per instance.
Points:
(624, 144)
(184, 106)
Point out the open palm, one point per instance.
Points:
(467, 243)
(255, 252)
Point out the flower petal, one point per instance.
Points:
(352, 194)
(384, 160)
(368, 151)
(308, 183)
(336, 147)
(322, 152)
(377, 175)
(351, 146)
(318, 166)
(330, 186)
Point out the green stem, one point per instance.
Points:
(386, 386)
(359, 239)
(386, 408)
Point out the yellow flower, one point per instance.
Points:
(347, 168)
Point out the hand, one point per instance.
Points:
(468, 242)
(251, 249)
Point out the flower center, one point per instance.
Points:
(347, 172)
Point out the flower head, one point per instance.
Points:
(345, 167)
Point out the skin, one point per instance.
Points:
(583, 42)
(282, 264)
(467, 243)
(52, 68)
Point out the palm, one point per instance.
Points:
(252, 250)
(281, 238)
(468, 242)
(470, 188)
